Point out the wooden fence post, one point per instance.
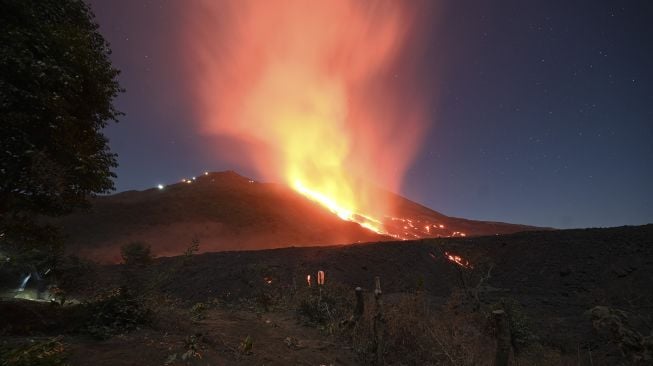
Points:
(379, 321)
(503, 338)
(360, 304)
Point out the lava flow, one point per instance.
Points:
(458, 260)
(310, 91)
(342, 212)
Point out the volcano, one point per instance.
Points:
(226, 211)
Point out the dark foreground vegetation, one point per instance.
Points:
(574, 297)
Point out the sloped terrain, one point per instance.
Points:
(226, 211)
(566, 268)
(553, 278)
(556, 276)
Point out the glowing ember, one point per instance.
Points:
(458, 260)
(308, 280)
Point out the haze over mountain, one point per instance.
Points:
(226, 211)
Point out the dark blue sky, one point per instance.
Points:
(544, 110)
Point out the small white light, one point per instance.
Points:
(194, 178)
(160, 186)
(206, 173)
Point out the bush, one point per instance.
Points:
(415, 334)
(75, 273)
(246, 345)
(198, 311)
(193, 248)
(50, 352)
(520, 325)
(614, 324)
(136, 253)
(325, 309)
(116, 312)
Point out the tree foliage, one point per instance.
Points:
(136, 253)
(57, 87)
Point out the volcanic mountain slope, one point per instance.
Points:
(226, 211)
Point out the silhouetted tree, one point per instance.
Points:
(57, 87)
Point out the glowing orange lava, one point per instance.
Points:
(344, 213)
(458, 260)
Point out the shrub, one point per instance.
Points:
(614, 323)
(74, 273)
(116, 312)
(136, 253)
(415, 335)
(198, 311)
(264, 301)
(193, 248)
(50, 352)
(520, 325)
(192, 350)
(326, 308)
(59, 295)
(246, 345)
(314, 310)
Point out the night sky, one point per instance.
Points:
(542, 111)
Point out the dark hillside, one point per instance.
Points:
(229, 212)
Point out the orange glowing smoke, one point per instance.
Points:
(306, 87)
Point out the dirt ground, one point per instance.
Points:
(276, 338)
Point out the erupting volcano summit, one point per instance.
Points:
(315, 103)
(226, 211)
